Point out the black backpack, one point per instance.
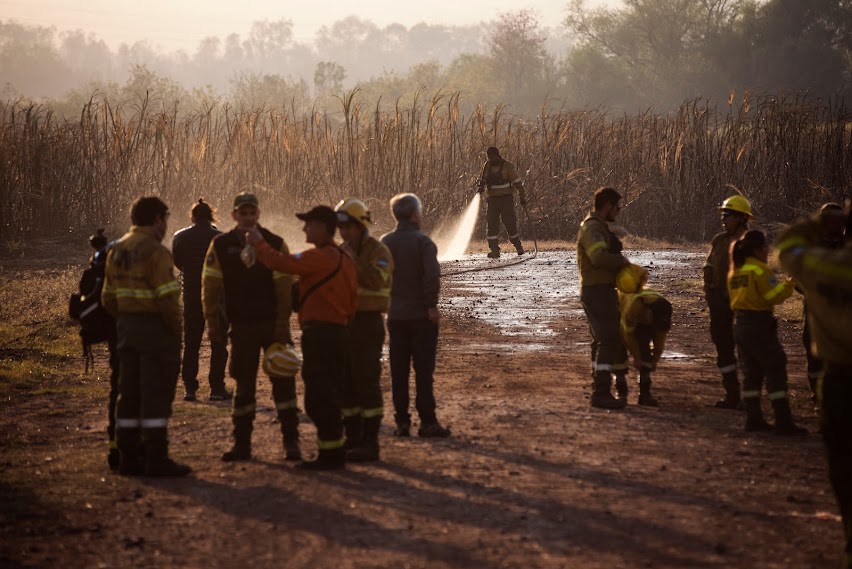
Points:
(96, 325)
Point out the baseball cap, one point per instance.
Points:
(245, 198)
(321, 213)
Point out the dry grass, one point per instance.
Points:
(787, 155)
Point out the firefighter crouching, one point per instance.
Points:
(328, 289)
(735, 213)
(646, 318)
(825, 274)
(258, 306)
(363, 408)
(754, 290)
(599, 259)
(141, 292)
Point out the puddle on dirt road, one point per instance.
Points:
(526, 300)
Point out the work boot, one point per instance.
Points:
(353, 428)
(157, 461)
(754, 416)
(220, 394)
(784, 424)
(289, 420)
(602, 396)
(241, 450)
(402, 430)
(113, 456)
(645, 397)
(368, 451)
(433, 431)
(732, 392)
(328, 459)
(167, 467)
(190, 395)
(131, 452)
(495, 249)
(621, 387)
(494, 255)
(518, 247)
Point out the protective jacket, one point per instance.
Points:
(334, 300)
(416, 273)
(140, 279)
(252, 295)
(374, 264)
(719, 261)
(825, 274)
(502, 180)
(636, 310)
(189, 249)
(753, 287)
(598, 252)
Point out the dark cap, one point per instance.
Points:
(98, 240)
(245, 198)
(321, 213)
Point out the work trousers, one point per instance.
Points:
(247, 341)
(836, 404)
(721, 330)
(600, 302)
(323, 371)
(193, 332)
(761, 354)
(501, 207)
(362, 390)
(413, 341)
(114, 373)
(814, 363)
(149, 359)
(644, 335)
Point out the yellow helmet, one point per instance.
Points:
(353, 209)
(631, 278)
(737, 203)
(281, 360)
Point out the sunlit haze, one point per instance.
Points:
(173, 25)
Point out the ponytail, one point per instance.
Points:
(746, 246)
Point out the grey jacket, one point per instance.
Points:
(416, 272)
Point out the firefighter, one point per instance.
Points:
(599, 259)
(646, 318)
(825, 274)
(753, 291)
(141, 293)
(258, 307)
(189, 247)
(363, 408)
(735, 214)
(499, 180)
(328, 291)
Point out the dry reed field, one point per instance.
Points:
(786, 154)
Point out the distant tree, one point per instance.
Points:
(253, 91)
(30, 62)
(328, 78)
(516, 49)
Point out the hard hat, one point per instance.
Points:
(353, 209)
(281, 360)
(737, 203)
(631, 278)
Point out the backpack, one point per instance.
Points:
(96, 325)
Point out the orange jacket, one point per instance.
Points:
(335, 300)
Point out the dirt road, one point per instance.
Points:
(532, 477)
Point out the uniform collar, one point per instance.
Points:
(144, 230)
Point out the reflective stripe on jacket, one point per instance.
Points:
(753, 287)
(597, 262)
(374, 264)
(502, 180)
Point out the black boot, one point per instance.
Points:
(131, 453)
(289, 419)
(157, 461)
(731, 383)
(602, 396)
(328, 459)
(621, 386)
(113, 456)
(754, 415)
(495, 249)
(241, 450)
(368, 451)
(519, 248)
(353, 427)
(784, 424)
(645, 397)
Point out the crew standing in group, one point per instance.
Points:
(599, 260)
(258, 307)
(499, 180)
(141, 292)
(363, 408)
(189, 248)
(735, 212)
(413, 319)
(825, 274)
(327, 297)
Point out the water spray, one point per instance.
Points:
(463, 232)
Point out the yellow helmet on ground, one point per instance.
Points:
(631, 278)
(737, 203)
(281, 360)
(353, 209)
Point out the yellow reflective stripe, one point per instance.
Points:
(748, 267)
(382, 292)
(213, 273)
(284, 405)
(790, 242)
(329, 445)
(775, 395)
(276, 275)
(774, 292)
(370, 413)
(500, 187)
(749, 394)
(167, 288)
(595, 247)
(134, 293)
(383, 274)
(351, 411)
(621, 366)
(828, 269)
(516, 181)
(113, 444)
(244, 410)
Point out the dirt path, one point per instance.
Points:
(533, 477)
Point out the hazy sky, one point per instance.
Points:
(180, 24)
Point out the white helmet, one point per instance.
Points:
(281, 360)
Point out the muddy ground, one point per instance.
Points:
(532, 476)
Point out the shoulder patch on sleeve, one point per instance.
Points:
(211, 258)
(773, 282)
(382, 263)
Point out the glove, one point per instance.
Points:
(480, 186)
